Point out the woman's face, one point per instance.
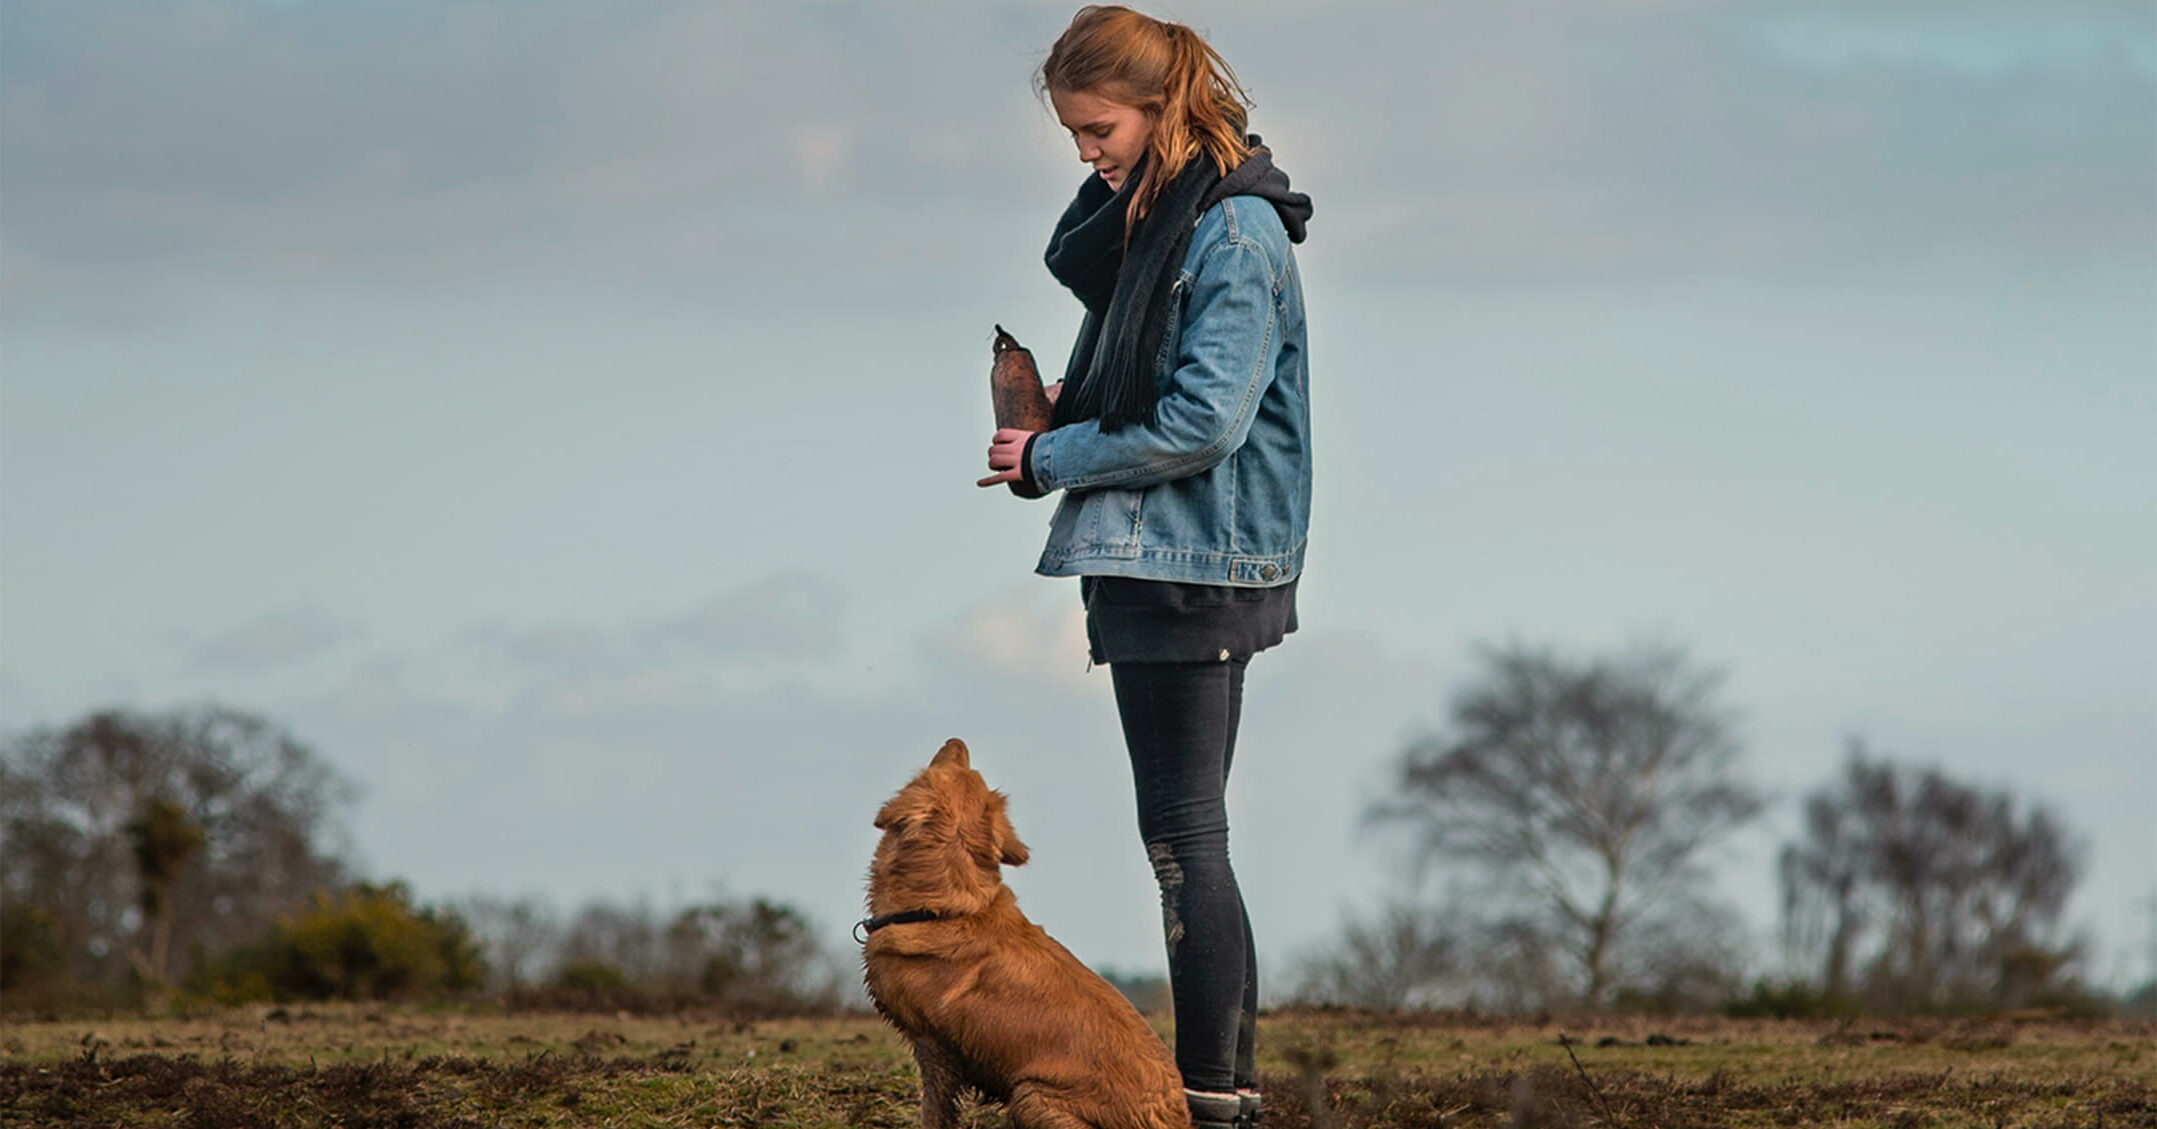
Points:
(1111, 136)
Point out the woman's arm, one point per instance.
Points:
(1225, 361)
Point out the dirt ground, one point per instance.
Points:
(358, 1067)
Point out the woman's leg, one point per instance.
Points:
(1247, 1025)
(1179, 723)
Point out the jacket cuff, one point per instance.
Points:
(1027, 486)
(1026, 467)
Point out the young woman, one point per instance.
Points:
(1181, 440)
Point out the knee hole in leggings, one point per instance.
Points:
(1169, 874)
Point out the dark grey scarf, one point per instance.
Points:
(1128, 289)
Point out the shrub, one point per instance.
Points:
(235, 976)
(1792, 999)
(589, 976)
(33, 956)
(364, 943)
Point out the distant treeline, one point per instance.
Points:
(152, 859)
(1561, 820)
(179, 857)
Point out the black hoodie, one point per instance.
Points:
(1126, 282)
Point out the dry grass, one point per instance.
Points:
(368, 1067)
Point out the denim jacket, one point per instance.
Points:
(1217, 489)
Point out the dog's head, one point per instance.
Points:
(946, 838)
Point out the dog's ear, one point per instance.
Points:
(895, 812)
(1009, 850)
(953, 752)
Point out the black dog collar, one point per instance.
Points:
(868, 925)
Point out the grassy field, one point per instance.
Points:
(363, 1067)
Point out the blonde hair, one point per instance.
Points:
(1166, 70)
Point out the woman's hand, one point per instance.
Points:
(1006, 448)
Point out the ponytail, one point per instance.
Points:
(1186, 89)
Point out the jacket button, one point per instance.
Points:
(1269, 572)
(1224, 654)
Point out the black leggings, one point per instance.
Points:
(1179, 723)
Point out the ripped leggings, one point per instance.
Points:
(1179, 724)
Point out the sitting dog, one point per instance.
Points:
(985, 996)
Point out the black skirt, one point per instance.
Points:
(1158, 621)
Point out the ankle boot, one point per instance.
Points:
(1214, 1111)
(1248, 1105)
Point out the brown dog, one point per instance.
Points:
(985, 996)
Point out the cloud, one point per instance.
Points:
(411, 144)
(1987, 36)
(1585, 145)
(785, 630)
(278, 638)
(560, 143)
(547, 648)
(786, 616)
(1026, 635)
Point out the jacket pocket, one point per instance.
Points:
(1097, 523)
(1117, 517)
(1164, 361)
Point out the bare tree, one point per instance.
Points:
(1824, 878)
(517, 934)
(627, 937)
(757, 953)
(260, 801)
(1687, 958)
(1403, 957)
(1582, 792)
(164, 840)
(1945, 892)
(1518, 964)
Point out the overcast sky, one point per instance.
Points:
(563, 415)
